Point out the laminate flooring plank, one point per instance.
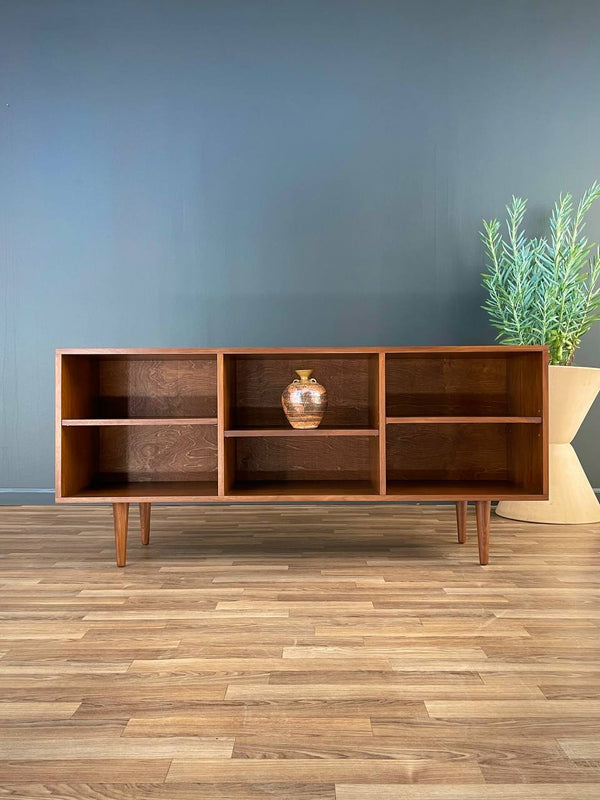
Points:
(322, 770)
(31, 710)
(581, 749)
(122, 770)
(540, 791)
(101, 747)
(170, 791)
(497, 709)
(356, 691)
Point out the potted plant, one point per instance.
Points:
(546, 290)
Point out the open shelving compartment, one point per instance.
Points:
(264, 457)
(139, 461)
(137, 426)
(464, 461)
(463, 425)
(99, 388)
(465, 385)
(319, 467)
(254, 383)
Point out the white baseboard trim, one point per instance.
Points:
(26, 496)
(25, 491)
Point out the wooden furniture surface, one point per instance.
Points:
(206, 425)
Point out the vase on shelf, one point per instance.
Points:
(571, 499)
(304, 401)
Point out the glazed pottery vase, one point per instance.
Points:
(571, 499)
(304, 401)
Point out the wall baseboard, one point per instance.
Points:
(19, 496)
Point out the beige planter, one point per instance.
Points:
(571, 392)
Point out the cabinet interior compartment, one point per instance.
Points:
(177, 458)
(464, 384)
(255, 384)
(121, 387)
(426, 458)
(283, 465)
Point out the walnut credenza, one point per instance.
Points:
(206, 425)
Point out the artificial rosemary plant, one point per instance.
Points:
(543, 290)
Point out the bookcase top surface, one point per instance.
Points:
(190, 351)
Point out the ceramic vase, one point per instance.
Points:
(571, 499)
(304, 401)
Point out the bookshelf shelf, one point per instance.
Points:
(130, 421)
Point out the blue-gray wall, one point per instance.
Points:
(271, 172)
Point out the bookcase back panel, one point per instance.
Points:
(452, 386)
(447, 452)
(273, 459)
(161, 388)
(465, 384)
(158, 453)
(111, 387)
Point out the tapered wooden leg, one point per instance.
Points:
(145, 522)
(121, 516)
(461, 520)
(483, 510)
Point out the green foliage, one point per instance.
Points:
(544, 290)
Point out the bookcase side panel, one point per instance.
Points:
(379, 421)
(225, 420)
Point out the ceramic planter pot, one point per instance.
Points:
(571, 392)
(304, 401)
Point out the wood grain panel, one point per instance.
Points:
(158, 453)
(447, 420)
(149, 353)
(78, 461)
(143, 790)
(309, 459)
(79, 386)
(298, 433)
(319, 770)
(226, 400)
(525, 383)
(157, 388)
(131, 421)
(499, 791)
(447, 452)
(145, 491)
(527, 450)
(421, 385)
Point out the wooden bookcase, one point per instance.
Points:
(190, 425)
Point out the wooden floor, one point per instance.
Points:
(289, 652)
